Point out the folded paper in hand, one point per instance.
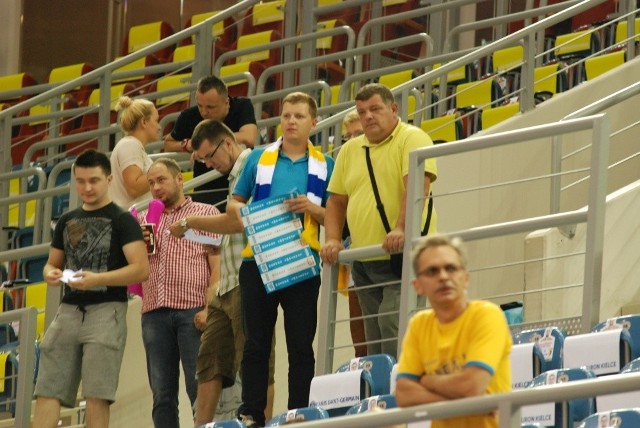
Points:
(203, 239)
(67, 275)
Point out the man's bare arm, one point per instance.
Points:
(334, 219)
(52, 271)
(171, 145)
(247, 135)
(411, 393)
(470, 382)
(394, 241)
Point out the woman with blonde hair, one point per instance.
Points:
(129, 160)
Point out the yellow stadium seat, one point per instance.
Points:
(621, 31)
(217, 30)
(143, 35)
(443, 129)
(116, 91)
(576, 44)
(16, 81)
(251, 40)
(549, 79)
(172, 82)
(14, 209)
(392, 80)
(36, 296)
(184, 53)
(138, 64)
(455, 76)
(495, 115)
(600, 64)
(268, 15)
(507, 59)
(479, 94)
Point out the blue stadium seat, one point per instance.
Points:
(31, 268)
(387, 401)
(22, 237)
(7, 335)
(633, 366)
(60, 203)
(4, 275)
(378, 365)
(298, 415)
(621, 418)
(231, 423)
(568, 413)
(629, 323)
(549, 340)
(7, 300)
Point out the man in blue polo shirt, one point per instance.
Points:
(290, 163)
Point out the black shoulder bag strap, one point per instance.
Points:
(380, 206)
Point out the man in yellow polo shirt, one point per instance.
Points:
(388, 141)
(457, 349)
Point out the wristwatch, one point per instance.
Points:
(183, 224)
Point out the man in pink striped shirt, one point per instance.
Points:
(183, 277)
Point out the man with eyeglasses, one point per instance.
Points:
(222, 343)
(213, 102)
(352, 126)
(458, 348)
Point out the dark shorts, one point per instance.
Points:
(222, 341)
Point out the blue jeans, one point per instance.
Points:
(169, 337)
(259, 311)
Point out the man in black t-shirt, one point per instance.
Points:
(95, 252)
(213, 102)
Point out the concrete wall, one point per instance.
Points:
(523, 200)
(620, 269)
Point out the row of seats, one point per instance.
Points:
(467, 97)
(363, 384)
(17, 295)
(546, 356)
(570, 413)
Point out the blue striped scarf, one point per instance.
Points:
(316, 185)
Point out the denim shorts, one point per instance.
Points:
(85, 345)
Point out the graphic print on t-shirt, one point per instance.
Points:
(87, 242)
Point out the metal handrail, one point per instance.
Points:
(104, 75)
(527, 34)
(423, 11)
(492, 22)
(599, 125)
(27, 317)
(507, 404)
(25, 197)
(593, 108)
(593, 216)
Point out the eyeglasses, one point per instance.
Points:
(210, 155)
(433, 271)
(347, 137)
